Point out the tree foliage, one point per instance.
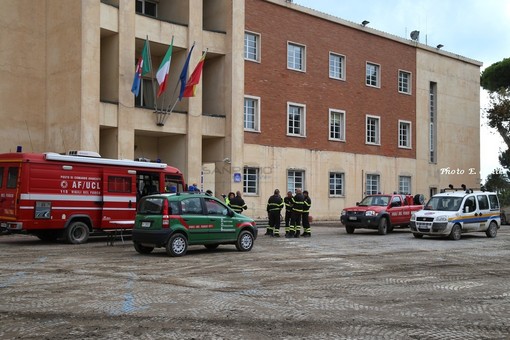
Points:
(496, 76)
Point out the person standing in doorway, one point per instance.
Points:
(297, 212)
(288, 211)
(307, 203)
(274, 208)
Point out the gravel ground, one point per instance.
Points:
(330, 286)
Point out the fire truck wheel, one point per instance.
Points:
(177, 245)
(383, 226)
(77, 232)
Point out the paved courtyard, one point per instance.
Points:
(330, 286)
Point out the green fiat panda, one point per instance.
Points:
(174, 221)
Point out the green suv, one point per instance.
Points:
(175, 221)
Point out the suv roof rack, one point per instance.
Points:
(462, 188)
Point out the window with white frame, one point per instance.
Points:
(404, 185)
(296, 118)
(251, 46)
(373, 130)
(336, 184)
(251, 180)
(147, 7)
(337, 125)
(295, 180)
(296, 57)
(251, 113)
(336, 66)
(372, 75)
(373, 184)
(404, 134)
(404, 82)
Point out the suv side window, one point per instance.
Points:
(213, 207)
(493, 199)
(191, 205)
(483, 202)
(469, 204)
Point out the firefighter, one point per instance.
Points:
(307, 231)
(274, 208)
(288, 211)
(297, 212)
(237, 203)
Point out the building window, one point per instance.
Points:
(373, 184)
(337, 125)
(295, 57)
(372, 75)
(336, 66)
(404, 82)
(295, 180)
(432, 122)
(336, 184)
(404, 185)
(404, 134)
(373, 130)
(250, 180)
(296, 118)
(251, 46)
(147, 7)
(251, 113)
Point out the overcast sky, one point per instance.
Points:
(477, 29)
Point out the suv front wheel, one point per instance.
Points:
(177, 245)
(244, 241)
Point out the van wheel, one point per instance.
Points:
(177, 245)
(143, 249)
(77, 233)
(244, 241)
(383, 226)
(456, 233)
(492, 231)
(349, 229)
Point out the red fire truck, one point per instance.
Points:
(51, 195)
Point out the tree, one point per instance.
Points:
(496, 76)
(498, 182)
(496, 80)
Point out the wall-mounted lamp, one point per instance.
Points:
(439, 46)
(364, 23)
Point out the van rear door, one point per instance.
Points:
(9, 179)
(119, 199)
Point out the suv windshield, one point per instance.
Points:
(375, 200)
(444, 203)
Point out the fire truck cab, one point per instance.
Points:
(51, 195)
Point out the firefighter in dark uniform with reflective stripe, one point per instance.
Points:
(237, 203)
(297, 211)
(307, 231)
(274, 208)
(288, 211)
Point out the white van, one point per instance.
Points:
(457, 211)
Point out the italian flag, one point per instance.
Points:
(164, 69)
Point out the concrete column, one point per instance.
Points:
(194, 118)
(125, 139)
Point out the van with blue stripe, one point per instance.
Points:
(456, 211)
